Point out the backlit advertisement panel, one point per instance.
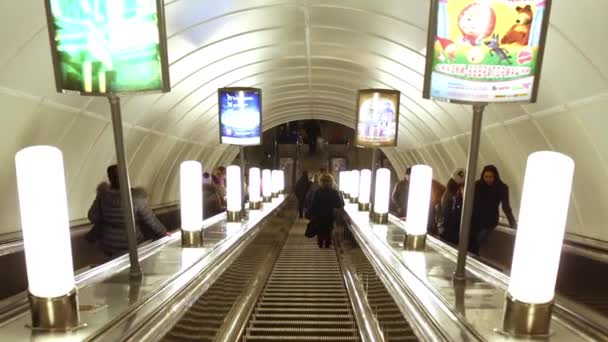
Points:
(240, 116)
(377, 117)
(102, 47)
(485, 50)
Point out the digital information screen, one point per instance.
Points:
(108, 46)
(240, 116)
(377, 117)
(485, 51)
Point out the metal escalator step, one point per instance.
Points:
(301, 338)
(302, 331)
(286, 304)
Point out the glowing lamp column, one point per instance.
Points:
(381, 197)
(542, 217)
(267, 185)
(419, 200)
(191, 202)
(276, 183)
(255, 201)
(342, 182)
(46, 237)
(365, 182)
(233, 191)
(346, 185)
(354, 186)
(281, 181)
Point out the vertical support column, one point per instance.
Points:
(125, 186)
(469, 192)
(242, 156)
(373, 181)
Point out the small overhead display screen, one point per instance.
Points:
(377, 117)
(240, 116)
(485, 50)
(102, 47)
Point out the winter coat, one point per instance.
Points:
(310, 194)
(399, 197)
(487, 200)
(106, 215)
(322, 211)
(212, 204)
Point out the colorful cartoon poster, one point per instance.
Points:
(240, 116)
(485, 50)
(108, 46)
(377, 117)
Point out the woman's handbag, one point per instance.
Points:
(311, 230)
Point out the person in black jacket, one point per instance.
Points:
(302, 186)
(490, 192)
(326, 202)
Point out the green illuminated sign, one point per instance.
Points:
(108, 46)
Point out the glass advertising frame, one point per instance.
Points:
(60, 84)
(221, 91)
(387, 92)
(431, 51)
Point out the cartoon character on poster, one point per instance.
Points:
(486, 41)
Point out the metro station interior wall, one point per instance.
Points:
(578, 130)
(86, 141)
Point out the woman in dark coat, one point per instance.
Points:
(323, 210)
(302, 187)
(490, 192)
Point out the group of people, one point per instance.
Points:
(446, 206)
(106, 213)
(319, 201)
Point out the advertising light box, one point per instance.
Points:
(485, 50)
(102, 47)
(377, 117)
(240, 116)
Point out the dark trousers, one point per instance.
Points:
(324, 239)
(301, 207)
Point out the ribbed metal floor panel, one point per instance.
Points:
(305, 298)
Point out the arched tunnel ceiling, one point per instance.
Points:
(309, 57)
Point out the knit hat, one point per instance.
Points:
(458, 175)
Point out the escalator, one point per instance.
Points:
(305, 298)
(284, 288)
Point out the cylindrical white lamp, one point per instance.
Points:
(233, 192)
(342, 182)
(191, 203)
(267, 185)
(365, 182)
(255, 200)
(276, 183)
(354, 186)
(419, 200)
(381, 197)
(281, 181)
(46, 237)
(542, 218)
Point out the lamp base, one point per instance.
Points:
(233, 216)
(414, 242)
(363, 206)
(55, 314)
(380, 218)
(192, 239)
(267, 199)
(275, 195)
(255, 205)
(354, 200)
(525, 319)
(346, 197)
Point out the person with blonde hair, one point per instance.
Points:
(325, 203)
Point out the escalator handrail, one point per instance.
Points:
(414, 299)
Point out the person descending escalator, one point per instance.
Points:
(302, 186)
(490, 192)
(451, 207)
(322, 214)
(106, 215)
(400, 194)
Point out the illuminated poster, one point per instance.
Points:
(108, 46)
(485, 50)
(240, 116)
(377, 117)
